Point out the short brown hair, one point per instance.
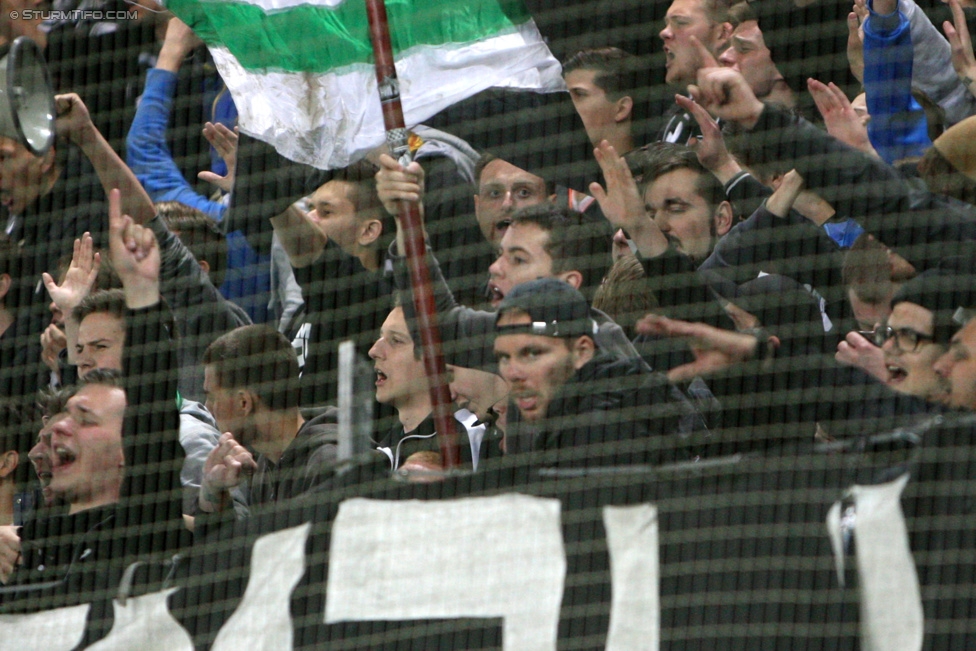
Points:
(479, 167)
(360, 178)
(660, 158)
(741, 12)
(54, 401)
(106, 377)
(200, 233)
(615, 69)
(574, 242)
(717, 10)
(624, 296)
(257, 358)
(362, 175)
(110, 301)
(866, 270)
(487, 158)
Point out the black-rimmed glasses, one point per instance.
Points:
(906, 339)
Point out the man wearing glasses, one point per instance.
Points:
(918, 332)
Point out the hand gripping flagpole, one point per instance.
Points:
(423, 298)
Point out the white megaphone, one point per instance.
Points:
(26, 97)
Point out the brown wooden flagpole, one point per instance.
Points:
(423, 298)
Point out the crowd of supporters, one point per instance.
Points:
(777, 255)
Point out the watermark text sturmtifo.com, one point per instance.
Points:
(73, 15)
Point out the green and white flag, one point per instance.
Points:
(301, 71)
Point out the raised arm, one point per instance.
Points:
(725, 94)
(924, 227)
(301, 239)
(135, 256)
(963, 60)
(226, 467)
(839, 116)
(715, 349)
(75, 123)
(622, 205)
(151, 489)
(930, 55)
(898, 127)
(932, 75)
(224, 140)
(76, 286)
(146, 150)
(394, 184)
(745, 192)
(457, 323)
(710, 149)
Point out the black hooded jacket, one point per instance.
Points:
(610, 412)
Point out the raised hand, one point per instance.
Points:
(725, 93)
(395, 183)
(620, 201)
(179, 42)
(781, 201)
(134, 254)
(622, 204)
(224, 140)
(53, 341)
(711, 150)
(963, 59)
(9, 551)
(73, 120)
(714, 349)
(839, 116)
(705, 58)
(855, 40)
(226, 467)
(857, 351)
(179, 35)
(80, 278)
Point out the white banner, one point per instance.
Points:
(477, 557)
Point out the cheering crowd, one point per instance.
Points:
(776, 261)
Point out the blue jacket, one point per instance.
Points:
(148, 155)
(152, 162)
(898, 128)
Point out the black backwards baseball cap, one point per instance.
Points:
(556, 308)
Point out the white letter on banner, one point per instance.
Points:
(891, 603)
(262, 621)
(475, 557)
(52, 630)
(635, 614)
(144, 623)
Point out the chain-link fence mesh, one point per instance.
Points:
(781, 459)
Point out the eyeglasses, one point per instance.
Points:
(906, 339)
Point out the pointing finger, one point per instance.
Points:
(708, 59)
